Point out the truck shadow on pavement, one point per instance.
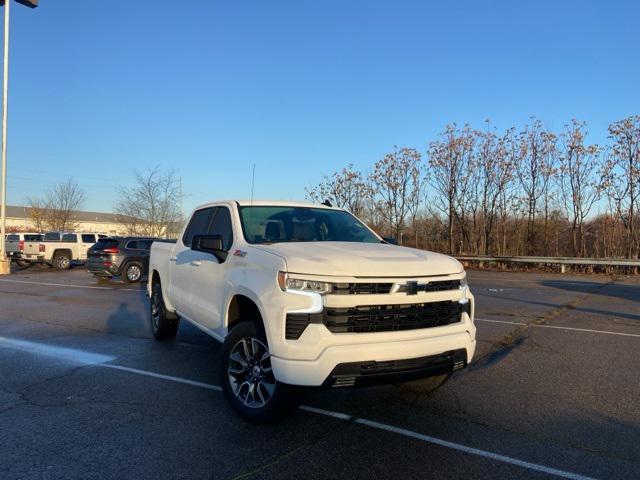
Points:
(130, 318)
(616, 290)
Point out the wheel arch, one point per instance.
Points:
(154, 277)
(242, 307)
(62, 250)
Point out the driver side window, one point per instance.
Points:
(198, 225)
(221, 225)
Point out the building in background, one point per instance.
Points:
(20, 220)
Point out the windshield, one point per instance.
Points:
(272, 224)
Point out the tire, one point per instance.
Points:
(23, 263)
(164, 325)
(132, 272)
(425, 386)
(61, 261)
(247, 380)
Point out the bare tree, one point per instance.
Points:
(62, 203)
(397, 179)
(621, 175)
(450, 159)
(38, 213)
(345, 189)
(578, 185)
(151, 207)
(493, 164)
(534, 171)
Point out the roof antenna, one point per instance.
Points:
(253, 177)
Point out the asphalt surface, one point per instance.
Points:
(86, 393)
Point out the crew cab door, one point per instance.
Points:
(182, 282)
(209, 273)
(205, 272)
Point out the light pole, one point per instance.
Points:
(4, 262)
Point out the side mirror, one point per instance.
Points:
(391, 240)
(208, 243)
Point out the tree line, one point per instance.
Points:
(150, 207)
(526, 191)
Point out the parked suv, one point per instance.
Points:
(126, 257)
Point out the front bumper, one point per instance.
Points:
(326, 369)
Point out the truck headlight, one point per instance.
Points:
(305, 285)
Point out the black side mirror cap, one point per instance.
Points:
(208, 243)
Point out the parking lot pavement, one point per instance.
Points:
(86, 393)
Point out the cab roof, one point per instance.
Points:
(269, 203)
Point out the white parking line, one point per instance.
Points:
(93, 359)
(69, 285)
(558, 327)
(69, 354)
(147, 373)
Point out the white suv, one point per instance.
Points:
(308, 295)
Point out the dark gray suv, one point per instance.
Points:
(126, 257)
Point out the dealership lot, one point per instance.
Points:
(553, 392)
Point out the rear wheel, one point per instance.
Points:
(132, 272)
(23, 263)
(62, 261)
(247, 378)
(164, 325)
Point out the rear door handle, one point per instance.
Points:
(173, 259)
(196, 263)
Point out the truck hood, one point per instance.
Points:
(350, 259)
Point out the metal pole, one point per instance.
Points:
(5, 89)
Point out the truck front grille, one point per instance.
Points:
(378, 318)
(439, 286)
(388, 318)
(384, 288)
(362, 288)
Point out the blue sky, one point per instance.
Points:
(300, 88)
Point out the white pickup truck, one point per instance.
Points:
(305, 295)
(60, 249)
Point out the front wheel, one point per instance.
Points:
(247, 378)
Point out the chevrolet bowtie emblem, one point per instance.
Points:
(412, 288)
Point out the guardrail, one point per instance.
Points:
(562, 261)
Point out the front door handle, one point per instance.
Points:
(196, 263)
(173, 259)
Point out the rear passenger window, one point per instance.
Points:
(88, 238)
(221, 225)
(69, 237)
(145, 244)
(198, 225)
